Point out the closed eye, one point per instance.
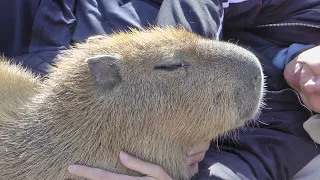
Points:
(171, 67)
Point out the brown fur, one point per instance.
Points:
(155, 115)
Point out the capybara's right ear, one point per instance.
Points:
(104, 70)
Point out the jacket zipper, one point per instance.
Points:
(289, 24)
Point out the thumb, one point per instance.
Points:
(143, 167)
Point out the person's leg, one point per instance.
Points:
(311, 171)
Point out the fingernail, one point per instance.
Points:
(190, 153)
(72, 168)
(124, 155)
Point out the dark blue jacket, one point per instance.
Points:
(33, 32)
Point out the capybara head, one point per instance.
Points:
(153, 94)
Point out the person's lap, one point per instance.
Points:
(311, 171)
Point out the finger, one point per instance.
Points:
(97, 174)
(195, 169)
(203, 147)
(88, 172)
(194, 159)
(143, 167)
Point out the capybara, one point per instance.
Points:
(153, 94)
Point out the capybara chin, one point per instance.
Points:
(153, 94)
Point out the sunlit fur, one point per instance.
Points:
(17, 85)
(155, 115)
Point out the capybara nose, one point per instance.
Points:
(250, 85)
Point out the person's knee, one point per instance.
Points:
(310, 171)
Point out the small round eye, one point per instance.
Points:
(171, 67)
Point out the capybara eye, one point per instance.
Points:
(171, 67)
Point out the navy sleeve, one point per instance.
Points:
(275, 147)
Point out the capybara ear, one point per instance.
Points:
(105, 71)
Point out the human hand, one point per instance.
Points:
(151, 171)
(196, 155)
(303, 75)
